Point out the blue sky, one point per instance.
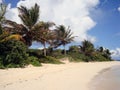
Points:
(95, 20)
(107, 29)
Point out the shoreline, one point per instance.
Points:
(108, 79)
(70, 76)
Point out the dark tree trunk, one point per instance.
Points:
(44, 48)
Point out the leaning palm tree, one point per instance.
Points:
(42, 33)
(12, 30)
(16, 31)
(64, 36)
(29, 18)
(4, 34)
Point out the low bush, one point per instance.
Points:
(13, 53)
(58, 53)
(76, 57)
(100, 57)
(49, 59)
(34, 61)
(34, 52)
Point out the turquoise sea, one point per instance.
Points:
(107, 79)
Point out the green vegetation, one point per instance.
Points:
(13, 53)
(15, 40)
(49, 59)
(34, 61)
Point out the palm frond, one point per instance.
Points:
(29, 17)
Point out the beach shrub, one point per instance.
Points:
(34, 61)
(13, 53)
(100, 57)
(56, 53)
(1, 64)
(34, 52)
(76, 57)
(49, 59)
(74, 49)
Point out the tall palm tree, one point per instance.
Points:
(16, 31)
(42, 33)
(64, 36)
(2, 13)
(14, 28)
(4, 35)
(29, 18)
(87, 48)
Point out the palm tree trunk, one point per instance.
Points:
(64, 50)
(44, 48)
(1, 31)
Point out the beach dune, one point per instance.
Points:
(70, 76)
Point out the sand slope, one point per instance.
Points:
(70, 76)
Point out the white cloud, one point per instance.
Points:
(119, 9)
(75, 13)
(12, 14)
(1, 1)
(116, 53)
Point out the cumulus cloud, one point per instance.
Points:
(1, 1)
(74, 13)
(12, 14)
(116, 53)
(119, 9)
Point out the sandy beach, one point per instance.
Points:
(69, 76)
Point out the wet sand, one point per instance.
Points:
(107, 79)
(70, 76)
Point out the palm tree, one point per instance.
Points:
(100, 49)
(29, 18)
(2, 13)
(87, 48)
(64, 36)
(107, 54)
(42, 33)
(4, 35)
(15, 31)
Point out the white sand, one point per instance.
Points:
(70, 76)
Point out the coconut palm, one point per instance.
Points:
(101, 49)
(29, 18)
(64, 36)
(4, 35)
(43, 34)
(14, 28)
(107, 54)
(2, 13)
(87, 48)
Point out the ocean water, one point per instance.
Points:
(107, 79)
